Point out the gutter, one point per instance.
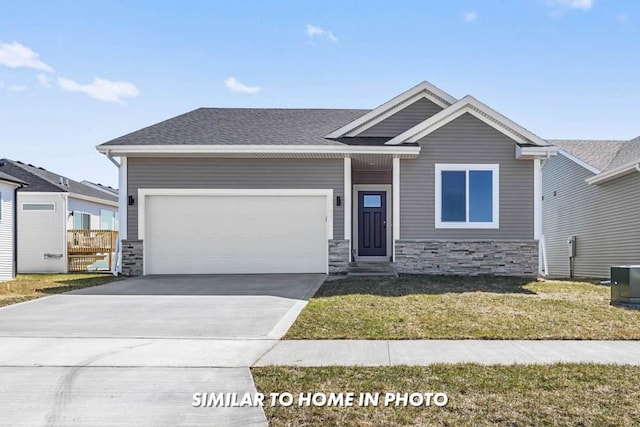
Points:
(259, 151)
(615, 173)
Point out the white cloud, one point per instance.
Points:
(315, 31)
(470, 16)
(44, 80)
(16, 88)
(104, 90)
(16, 55)
(573, 4)
(236, 86)
(622, 17)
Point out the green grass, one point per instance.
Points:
(445, 307)
(31, 286)
(520, 395)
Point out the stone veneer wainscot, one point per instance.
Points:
(468, 257)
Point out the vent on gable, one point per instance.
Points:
(66, 182)
(61, 180)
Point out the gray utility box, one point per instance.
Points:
(625, 284)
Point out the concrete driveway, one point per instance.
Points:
(134, 352)
(225, 307)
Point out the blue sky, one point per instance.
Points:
(74, 74)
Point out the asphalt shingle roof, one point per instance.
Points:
(6, 177)
(601, 154)
(42, 180)
(244, 126)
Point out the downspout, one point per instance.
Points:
(15, 230)
(110, 157)
(114, 265)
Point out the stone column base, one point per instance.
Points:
(338, 256)
(132, 257)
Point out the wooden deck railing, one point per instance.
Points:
(85, 247)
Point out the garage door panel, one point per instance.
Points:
(235, 234)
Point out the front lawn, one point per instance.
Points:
(31, 286)
(445, 307)
(563, 394)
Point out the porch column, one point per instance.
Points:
(347, 201)
(122, 204)
(396, 204)
(537, 210)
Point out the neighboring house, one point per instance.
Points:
(591, 191)
(432, 183)
(8, 187)
(50, 205)
(107, 189)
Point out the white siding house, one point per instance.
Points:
(8, 186)
(50, 206)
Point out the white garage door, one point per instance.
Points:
(229, 234)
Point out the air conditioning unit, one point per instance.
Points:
(625, 284)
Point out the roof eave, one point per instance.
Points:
(614, 173)
(257, 151)
(530, 153)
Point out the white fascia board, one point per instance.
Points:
(579, 162)
(469, 104)
(614, 173)
(337, 150)
(380, 113)
(41, 193)
(529, 153)
(11, 183)
(93, 199)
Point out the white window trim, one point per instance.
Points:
(495, 168)
(37, 210)
(81, 213)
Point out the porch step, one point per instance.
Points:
(371, 269)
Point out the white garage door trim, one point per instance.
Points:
(144, 193)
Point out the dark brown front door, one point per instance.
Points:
(372, 223)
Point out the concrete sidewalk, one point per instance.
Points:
(418, 353)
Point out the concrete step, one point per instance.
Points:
(371, 269)
(373, 274)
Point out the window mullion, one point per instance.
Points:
(466, 191)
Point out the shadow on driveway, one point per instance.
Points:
(292, 286)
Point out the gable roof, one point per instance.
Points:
(470, 105)
(243, 126)
(420, 91)
(42, 180)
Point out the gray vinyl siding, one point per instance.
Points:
(605, 218)
(405, 119)
(466, 140)
(235, 173)
(372, 177)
